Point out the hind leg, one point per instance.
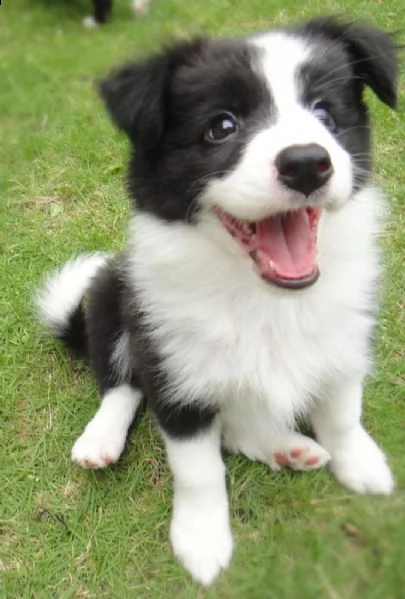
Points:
(276, 444)
(296, 451)
(281, 449)
(103, 439)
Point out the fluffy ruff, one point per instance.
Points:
(246, 296)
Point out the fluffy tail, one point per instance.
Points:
(59, 302)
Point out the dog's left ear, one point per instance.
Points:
(373, 54)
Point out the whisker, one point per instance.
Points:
(344, 66)
(330, 84)
(355, 127)
(193, 206)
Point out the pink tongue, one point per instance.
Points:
(285, 245)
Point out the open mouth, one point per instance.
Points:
(282, 247)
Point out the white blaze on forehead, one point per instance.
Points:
(280, 57)
(251, 190)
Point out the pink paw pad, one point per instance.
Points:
(282, 460)
(312, 460)
(308, 457)
(296, 453)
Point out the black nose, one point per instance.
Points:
(304, 168)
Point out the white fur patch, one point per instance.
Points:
(199, 531)
(122, 359)
(103, 439)
(63, 290)
(140, 7)
(280, 75)
(90, 22)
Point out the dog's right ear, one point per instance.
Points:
(136, 94)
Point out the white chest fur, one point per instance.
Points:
(229, 339)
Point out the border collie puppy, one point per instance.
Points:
(102, 10)
(246, 298)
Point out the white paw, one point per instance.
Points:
(104, 437)
(361, 466)
(201, 539)
(298, 452)
(98, 447)
(90, 22)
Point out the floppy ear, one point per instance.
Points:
(136, 94)
(373, 53)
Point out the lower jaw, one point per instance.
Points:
(293, 284)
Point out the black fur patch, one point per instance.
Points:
(165, 105)
(74, 336)
(105, 324)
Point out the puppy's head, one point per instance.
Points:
(262, 133)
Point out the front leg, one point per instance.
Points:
(357, 461)
(191, 429)
(199, 532)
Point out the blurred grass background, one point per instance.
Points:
(68, 533)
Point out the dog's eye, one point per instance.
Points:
(221, 127)
(322, 112)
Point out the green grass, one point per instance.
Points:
(68, 533)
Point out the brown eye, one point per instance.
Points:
(322, 113)
(222, 127)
